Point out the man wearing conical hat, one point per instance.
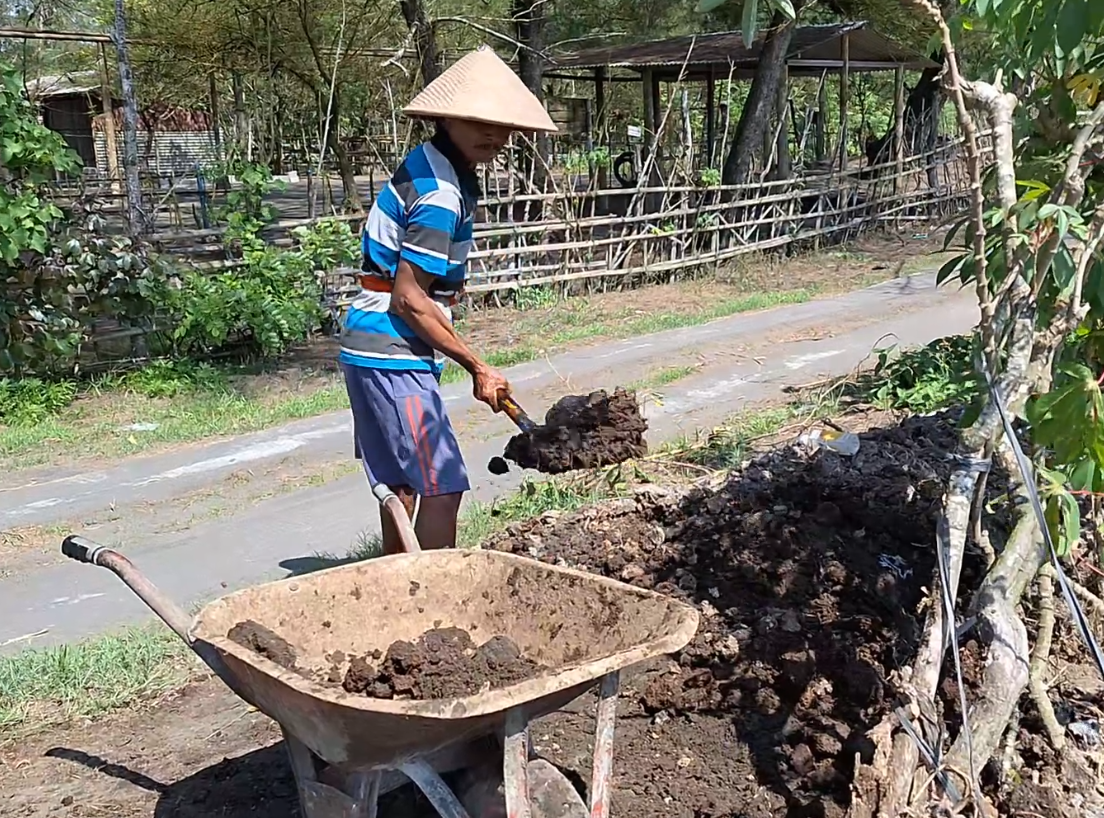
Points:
(399, 329)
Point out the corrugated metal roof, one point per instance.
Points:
(62, 85)
(814, 44)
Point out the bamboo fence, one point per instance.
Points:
(595, 240)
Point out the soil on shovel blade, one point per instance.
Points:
(583, 432)
(441, 664)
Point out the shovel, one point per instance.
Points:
(518, 415)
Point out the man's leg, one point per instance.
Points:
(437, 517)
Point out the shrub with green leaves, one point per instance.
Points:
(29, 401)
(927, 379)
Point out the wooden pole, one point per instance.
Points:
(899, 127)
(657, 146)
(710, 116)
(213, 95)
(111, 143)
(602, 123)
(845, 90)
(650, 109)
(820, 140)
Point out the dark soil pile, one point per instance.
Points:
(259, 639)
(808, 569)
(441, 664)
(583, 432)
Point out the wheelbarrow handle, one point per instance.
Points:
(79, 549)
(82, 550)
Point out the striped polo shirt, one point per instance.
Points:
(423, 216)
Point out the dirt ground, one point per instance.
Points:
(808, 569)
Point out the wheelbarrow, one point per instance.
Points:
(346, 749)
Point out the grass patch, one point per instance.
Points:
(661, 377)
(42, 687)
(159, 405)
(167, 403)
(481, 521)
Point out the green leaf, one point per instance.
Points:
(706, 6)
(785, 7)
(1083, 475)
(748, 21)
(1071, 24)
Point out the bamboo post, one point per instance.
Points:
(602, 122)
(899, 128)
(710, 116)
(111, 144)
(845, 90)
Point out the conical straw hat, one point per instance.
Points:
(482, 88)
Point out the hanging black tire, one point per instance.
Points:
(625, 179)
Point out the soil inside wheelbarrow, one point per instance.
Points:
(443, 663)
(259, 639)
(582, 432)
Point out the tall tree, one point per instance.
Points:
(529, 27)
(135, 212)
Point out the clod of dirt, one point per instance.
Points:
(259, 639)
(583, 432)
(498, 465)
(442, 663)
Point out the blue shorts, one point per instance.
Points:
(402, 432)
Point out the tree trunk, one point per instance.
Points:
(425, 38)
(135, 218)
(755, 118)
(529, 29)
(351, 198)
(923, 103)
(241, 124)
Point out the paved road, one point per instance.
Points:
(743, 360)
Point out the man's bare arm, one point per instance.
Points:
(411, 302)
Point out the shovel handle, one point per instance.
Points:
(516, 413)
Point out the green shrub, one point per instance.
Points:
(28, 401)
(167, 379)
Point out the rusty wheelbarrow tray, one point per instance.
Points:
(345, 748)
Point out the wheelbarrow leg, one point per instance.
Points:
(516, 764)
(603, 745)
(319, 800)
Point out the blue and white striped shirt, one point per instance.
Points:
(424, 216)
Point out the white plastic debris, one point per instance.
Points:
(844, 443)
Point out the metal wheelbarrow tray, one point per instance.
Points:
(584, 628)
